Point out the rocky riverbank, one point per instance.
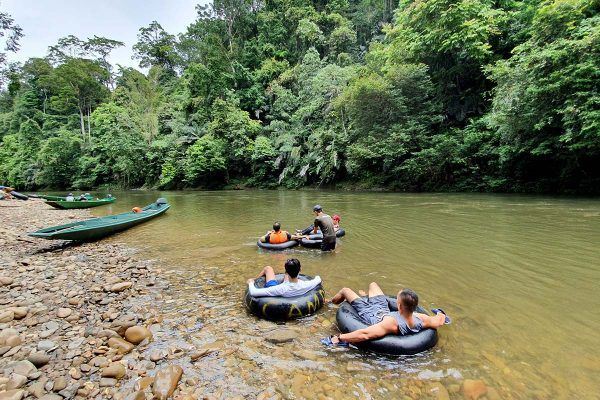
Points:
(74, 321)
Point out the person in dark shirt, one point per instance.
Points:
(325, 223)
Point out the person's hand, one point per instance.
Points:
(251, 280)
(335, 339)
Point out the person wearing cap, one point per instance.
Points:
(325, 223)
(70, 197)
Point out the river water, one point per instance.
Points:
(519, 275)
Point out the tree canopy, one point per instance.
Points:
(465, 95)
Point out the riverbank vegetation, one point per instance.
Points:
(468, 95)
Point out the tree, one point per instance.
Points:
(10, 34)
(58, 160)
(156, 47)
(205, 163)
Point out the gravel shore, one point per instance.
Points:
(74, 320)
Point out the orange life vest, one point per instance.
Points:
(278, 237)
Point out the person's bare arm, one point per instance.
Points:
(386, 326)
(431, 321)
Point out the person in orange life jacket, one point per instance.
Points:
(276, 236)
(375, 312)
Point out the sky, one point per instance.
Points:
(45, 21)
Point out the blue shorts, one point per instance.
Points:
(372, 309)
(272, 282)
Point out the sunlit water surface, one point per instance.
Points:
(518, 274)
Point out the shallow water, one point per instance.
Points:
(518, 274)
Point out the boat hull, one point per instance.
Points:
(98, 228)
(70, 205)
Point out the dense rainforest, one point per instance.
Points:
(415, 95)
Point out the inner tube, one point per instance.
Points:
(312, 242)
(309, 229)
(349, 321)
(18, 195)
(280, 246)
(285, 308)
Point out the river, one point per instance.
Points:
(519, 275)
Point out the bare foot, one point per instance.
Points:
(362, 293)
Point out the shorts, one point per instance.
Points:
(272, 282)
(327, 246)
(372, 309)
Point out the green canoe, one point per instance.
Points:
(97, 228)
(68, 205)
(59, 198)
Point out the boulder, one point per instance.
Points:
(122, 346)
(136, 334)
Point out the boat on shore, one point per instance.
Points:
(97, 228)
(70, 205)
(57, 198)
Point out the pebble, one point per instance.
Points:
(157, 355)
(20, 312)
(15, 394)
(39, 359)
(119, 287)
(281, 336)
(46, 345)
(107, 382)
(166, 381)
(474, 389)
(64, 312)
(114, 370)
(59, 384)
(16, 381)
(122, 346)
(13, 341)
(7, 316)
(136, 334)
(6, 281)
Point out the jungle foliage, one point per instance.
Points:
(415, 95)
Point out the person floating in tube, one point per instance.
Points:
(277, 236)
(375, 312)
(291, 285)
(325, 223)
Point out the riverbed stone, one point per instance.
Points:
(281, 336)
(59, 384)
(122, 346)
(14, 394)
(16, 381)
(20, 312)
(63, 312)
(121, 286)
(114, 370)
(166, 381)
(108, 382)
(39, 358)
(6, 316)
(137, 334)
(473, 389)
(24, 367)
(6, 280)
(13, 341)
(46, 345)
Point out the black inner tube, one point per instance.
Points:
(279, 246)
(285, 308)
(349, 321)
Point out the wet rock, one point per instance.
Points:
(137, 334)
(7, 316)
(439, 391)
(63, 312)
(122, 346)
(108, 382)
(165, 382)
(281, 336)
(114, 370)
(474, 389)
(119, 287)
(15, 394)
(356, 366)
(39, 359)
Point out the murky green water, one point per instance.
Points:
(518, 274)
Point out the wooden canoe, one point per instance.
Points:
(97, 228)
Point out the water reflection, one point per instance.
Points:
(507, 269)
